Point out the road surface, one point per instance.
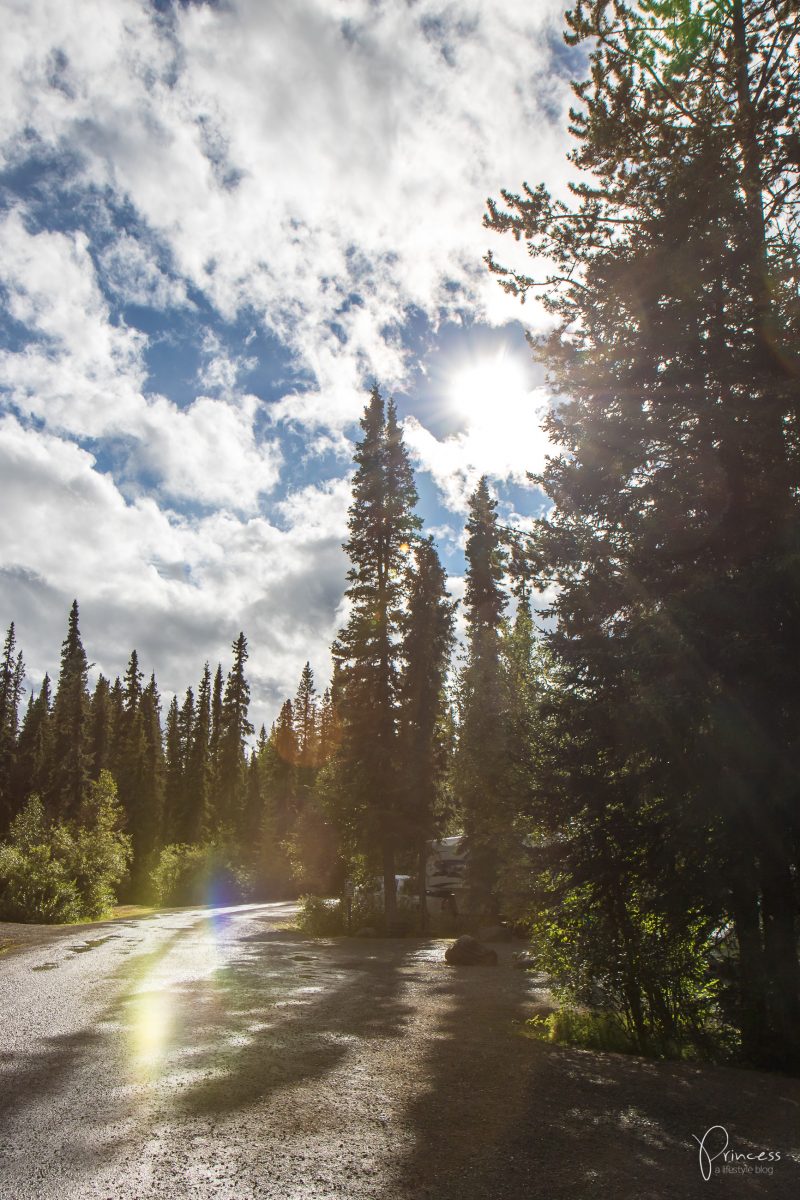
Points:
(212, 1053)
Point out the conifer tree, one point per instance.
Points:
(12, 672)
(381, 524)
(33, 748)
(101, 725)
(198, 765)
(69, 747)
(305, 719)
(214, 743)
(234, 731)
(277, 771)
(481, 761)
(427, 644)
(148, 800)
(674, 536)
(173, 775)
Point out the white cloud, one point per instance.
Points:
(131, 269)
(177, 589)
(84, 376)
(326, 162)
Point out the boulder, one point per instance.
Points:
(467, 951)
(494, 933)
(524, 961)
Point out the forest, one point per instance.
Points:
(618, 737)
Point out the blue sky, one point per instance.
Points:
(219, 223)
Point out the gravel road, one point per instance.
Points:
(213, 1053)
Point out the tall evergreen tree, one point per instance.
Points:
(481, 762)
(381, 524)
(198, 765)
(428, 638)
(12, 672)
(674, 537)
(173, 775)
(33, 748)
(101, 724)
(70, 764)
(234, 732)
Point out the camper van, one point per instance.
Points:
(446, 877)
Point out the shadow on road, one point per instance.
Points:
(506, 1117)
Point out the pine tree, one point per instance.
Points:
(146, 826)
(214, 744)
(277, 771)
(12, 674)
(481, 763)
(381, 524)
(173, 776)
(234, 731)
(101, 723)
(427, 644)
(198, 765)
(305, 719)
(33, 748)
(70, 764)
(674, 535)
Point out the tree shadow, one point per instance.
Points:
(507, 1116)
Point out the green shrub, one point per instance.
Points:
(57, 872)
(587, 1029)
(328, 918)
(205, 874)
(320, 918)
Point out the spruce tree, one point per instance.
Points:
(101, 723)
(674, 538)
(381, 524)
(12, 672)
(33, 748)
(198, 765)
(480, 767)
(427, 644)
(234, 732)
(173, 776)
(69, 746)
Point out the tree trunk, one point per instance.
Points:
(389, 885)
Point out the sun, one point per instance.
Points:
(481, 391)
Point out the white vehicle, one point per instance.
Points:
(446, 869)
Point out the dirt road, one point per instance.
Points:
(211, 1053)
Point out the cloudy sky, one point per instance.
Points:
(219, 223)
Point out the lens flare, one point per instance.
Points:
(151, 1022)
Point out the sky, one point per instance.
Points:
(220, 223)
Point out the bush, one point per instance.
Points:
(204, 874)
(58, 872)
(321, 918)
(328, 918)
(589, 1030)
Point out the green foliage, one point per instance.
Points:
(320, 917)
(582, 1027)
(199, 874)
(57, 872)
(614, 952)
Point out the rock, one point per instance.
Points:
(467, 951)
(524, 961)
(366, 931)
(494, 933)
